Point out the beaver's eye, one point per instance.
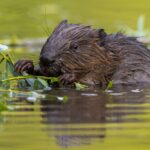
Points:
(73, 46)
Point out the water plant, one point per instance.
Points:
(23, 79)
(80, 86)
(140, 30)
(110, 85)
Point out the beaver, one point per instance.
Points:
(79, 53)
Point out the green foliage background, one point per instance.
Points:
(36, 18)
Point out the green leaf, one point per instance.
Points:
(35, 84)
(54, 79)
(65, 99)
(110, 85)
(23, 79)
(43, 82)
(80, 86)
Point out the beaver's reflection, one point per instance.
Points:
(75, 122)
(82, 107)
(83, 117)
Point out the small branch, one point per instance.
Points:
(30, 76)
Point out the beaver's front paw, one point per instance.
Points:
(67, 78)
(24, 65)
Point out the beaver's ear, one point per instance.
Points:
(60, 26)
(101, 33)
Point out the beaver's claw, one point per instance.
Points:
(24, 65)
(67, 78)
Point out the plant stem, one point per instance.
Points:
(29, 76)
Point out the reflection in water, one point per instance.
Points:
(86, 109)
(81, 108)
(89, 119)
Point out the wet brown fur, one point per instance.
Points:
(79, 53)
(90, 63)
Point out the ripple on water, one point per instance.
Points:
(89, 119)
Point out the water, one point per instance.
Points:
(90, 119)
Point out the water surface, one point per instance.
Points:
(90, 119)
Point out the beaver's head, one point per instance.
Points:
(72, 48)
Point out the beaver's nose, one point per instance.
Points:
(45, 60)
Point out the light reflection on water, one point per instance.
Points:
(90, 119)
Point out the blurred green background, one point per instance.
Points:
(37, 18)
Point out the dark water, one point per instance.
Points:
(90, 119)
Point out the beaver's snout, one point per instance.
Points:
(45, 60)
(49, 66)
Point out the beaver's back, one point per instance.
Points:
(134, 67)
